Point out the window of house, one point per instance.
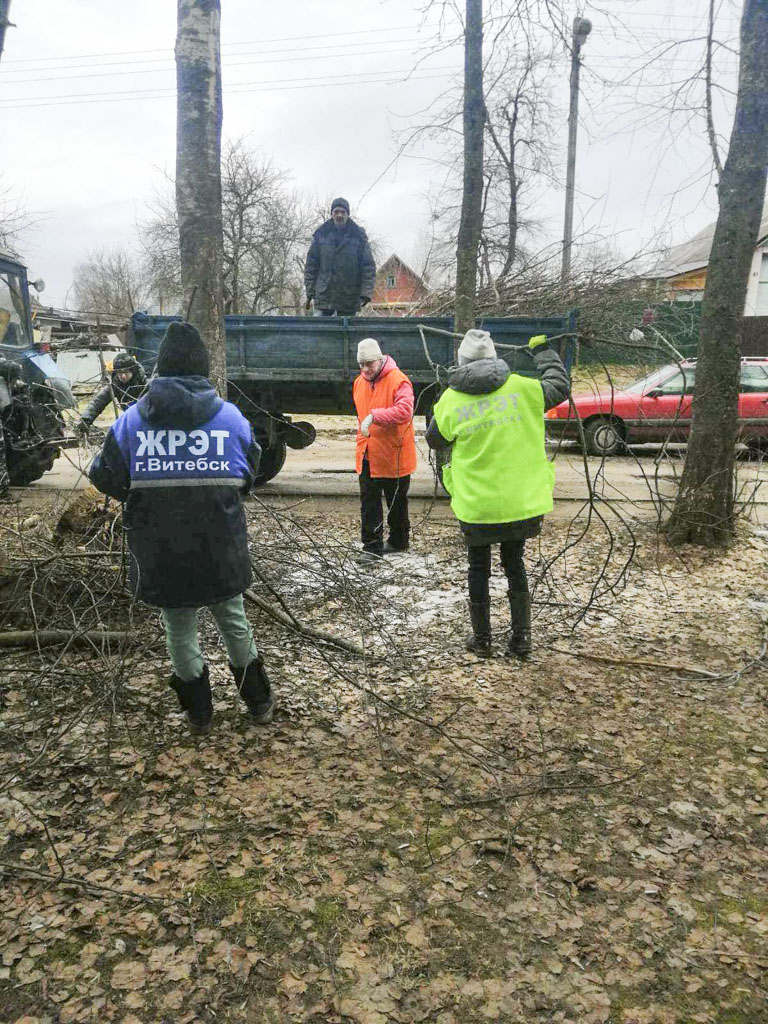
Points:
(390, 280)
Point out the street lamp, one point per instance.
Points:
(581, 29)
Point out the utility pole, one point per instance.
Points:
(5, 10)
(581, 29)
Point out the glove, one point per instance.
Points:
(364, 300)
(539, 339)
(308, 303)
(365, 426)
(82, 427)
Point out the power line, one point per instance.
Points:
(245, 63)
(170, 60)
(160, 90)
(250, 42)
(154, 94)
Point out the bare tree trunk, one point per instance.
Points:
(704, 509)
(5, 10)
(198, 175)
(472, 198)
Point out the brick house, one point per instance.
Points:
(399, 290)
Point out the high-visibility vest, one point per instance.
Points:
(392, 449)
(499, 471)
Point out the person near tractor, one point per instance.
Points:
(499, 478)
(340, 272)
(180, 459)
(385, 450)
(127, 384)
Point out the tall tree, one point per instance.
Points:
(110, 281)
(5, 10)
(198, 174)
(471, 221)
(267, 226)
(520, 116)
(704, 508)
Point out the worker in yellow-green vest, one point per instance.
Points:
(499, 478)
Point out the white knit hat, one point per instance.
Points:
(476, 345)
(368, 350)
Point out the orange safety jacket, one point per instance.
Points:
(391, 449)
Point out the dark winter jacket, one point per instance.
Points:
(125, 394)
(481, 377)
(340, 268)
(180, 459)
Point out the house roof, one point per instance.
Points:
(694, 254)
(394, 258)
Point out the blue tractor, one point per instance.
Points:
(33, 392)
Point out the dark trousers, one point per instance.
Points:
(338, 312)
(480, 569)
(395, 492)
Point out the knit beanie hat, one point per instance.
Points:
(124, 361)
(476, 345)
(182, 353)
(368, 350)
(340, 202)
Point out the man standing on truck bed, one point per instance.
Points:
(340, 271)
(386, 450)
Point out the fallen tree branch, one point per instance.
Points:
(81, 883)
(48, 637)
(298, 627)
(639, 663)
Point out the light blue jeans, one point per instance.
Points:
(184, 648)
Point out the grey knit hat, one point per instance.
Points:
(340, 202)
(476, 345)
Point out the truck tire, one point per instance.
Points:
(272, 461)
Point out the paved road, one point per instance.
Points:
(326, 469)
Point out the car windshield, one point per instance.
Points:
(13, 322)
(656, 379)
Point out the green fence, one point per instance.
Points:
(606, 332)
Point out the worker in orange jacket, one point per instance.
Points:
(386, 450)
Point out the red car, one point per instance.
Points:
(658, 408)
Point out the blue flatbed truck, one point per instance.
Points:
(282, 366)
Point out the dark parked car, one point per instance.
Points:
(658, 408)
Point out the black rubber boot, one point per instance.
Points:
(253, 685)
(195, 698)
(479, 640)
(519, 644)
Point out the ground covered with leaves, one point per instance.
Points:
(420, 835)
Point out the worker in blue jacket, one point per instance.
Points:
(180, 459)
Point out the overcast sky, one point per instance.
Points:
(87, 107)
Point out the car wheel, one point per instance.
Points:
(604, 436)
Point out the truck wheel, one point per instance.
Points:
(604, 436)
(272, 461)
